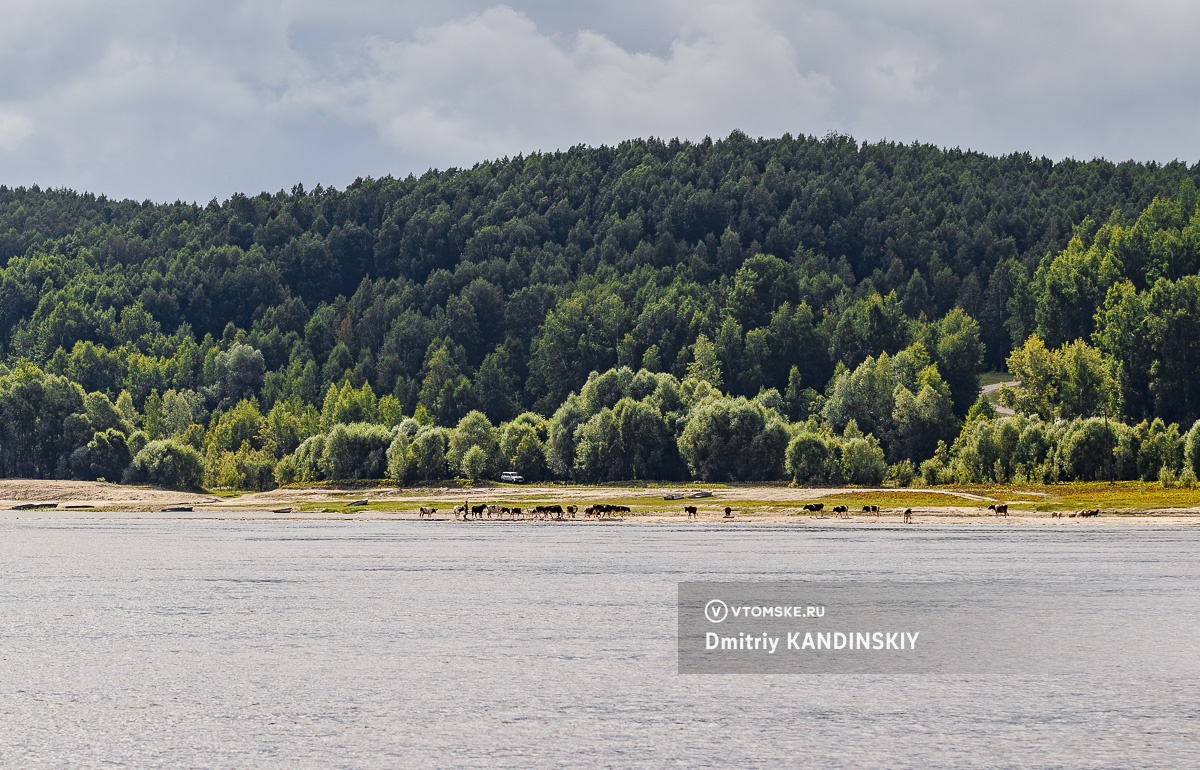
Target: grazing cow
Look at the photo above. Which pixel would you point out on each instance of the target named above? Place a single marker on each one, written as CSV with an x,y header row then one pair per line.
x,y
842,511
460,510
1000,509
1056,514
1089,512
571,509
728,512
691,511
871,509
606,510
908,515
426,513
814,507
494,510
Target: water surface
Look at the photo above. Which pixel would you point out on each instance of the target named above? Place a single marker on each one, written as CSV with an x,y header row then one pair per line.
x,y
135,643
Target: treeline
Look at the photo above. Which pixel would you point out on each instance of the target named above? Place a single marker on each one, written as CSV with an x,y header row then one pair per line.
x,y
850,288
622,425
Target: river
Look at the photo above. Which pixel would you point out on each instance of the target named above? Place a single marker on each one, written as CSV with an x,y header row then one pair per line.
x,y
374,644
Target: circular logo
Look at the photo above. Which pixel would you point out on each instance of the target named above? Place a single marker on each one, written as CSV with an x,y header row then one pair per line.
x,y
716,611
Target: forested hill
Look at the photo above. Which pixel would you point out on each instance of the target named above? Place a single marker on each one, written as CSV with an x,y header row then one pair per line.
x,y
501,287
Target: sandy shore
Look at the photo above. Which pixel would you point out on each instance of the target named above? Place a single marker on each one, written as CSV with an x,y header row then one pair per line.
x,y
755,504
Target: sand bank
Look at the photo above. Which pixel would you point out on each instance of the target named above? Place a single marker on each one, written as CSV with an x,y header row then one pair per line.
x,y
771,504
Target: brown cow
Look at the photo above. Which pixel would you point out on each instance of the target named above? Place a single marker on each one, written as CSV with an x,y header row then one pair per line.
x,y
728,512
691,511
1001,509
426,513
908,515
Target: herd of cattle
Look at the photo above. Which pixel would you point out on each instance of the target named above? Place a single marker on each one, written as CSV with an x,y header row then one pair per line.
x,y
843,511
605,511
467,512
1084,514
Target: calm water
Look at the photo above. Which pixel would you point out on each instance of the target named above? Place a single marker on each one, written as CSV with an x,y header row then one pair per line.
x,y
386,644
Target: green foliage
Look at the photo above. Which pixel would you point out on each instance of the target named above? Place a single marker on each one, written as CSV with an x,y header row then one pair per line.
x,y
36,428
356,451
167,463
1191,450
427,454
445,392
1076,380
704,365
237,373
862,462
523,446
474,431
348,404
811,460
630,440
106,456
398,465
684,276
475,463
728,438
289,423
902,400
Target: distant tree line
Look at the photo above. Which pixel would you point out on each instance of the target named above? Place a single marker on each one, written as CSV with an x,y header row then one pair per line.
x,y
817,310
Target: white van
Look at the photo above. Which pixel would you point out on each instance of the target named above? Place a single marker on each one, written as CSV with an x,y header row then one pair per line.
x,y
512,477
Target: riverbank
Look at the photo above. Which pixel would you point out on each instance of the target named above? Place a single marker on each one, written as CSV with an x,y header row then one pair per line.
x,y
1125,503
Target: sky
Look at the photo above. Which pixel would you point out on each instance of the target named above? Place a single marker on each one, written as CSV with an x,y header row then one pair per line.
x,y
169,100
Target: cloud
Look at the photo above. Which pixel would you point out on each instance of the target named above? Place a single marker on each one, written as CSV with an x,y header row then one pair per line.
x,y
15,128
493,84
147,99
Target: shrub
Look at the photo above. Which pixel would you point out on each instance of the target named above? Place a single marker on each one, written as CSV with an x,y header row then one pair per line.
x,y
105,456
808,459
862,461
356,451
167,463
902,473
397,458
474,430
475,463
427,454
733,438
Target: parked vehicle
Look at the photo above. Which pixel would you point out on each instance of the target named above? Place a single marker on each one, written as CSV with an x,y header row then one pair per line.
x,y
512,477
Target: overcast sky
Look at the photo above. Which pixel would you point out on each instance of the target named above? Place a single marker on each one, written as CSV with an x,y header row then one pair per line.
x,y
170,100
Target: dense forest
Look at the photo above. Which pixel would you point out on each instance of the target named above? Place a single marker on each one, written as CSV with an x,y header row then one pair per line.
x,y
818,310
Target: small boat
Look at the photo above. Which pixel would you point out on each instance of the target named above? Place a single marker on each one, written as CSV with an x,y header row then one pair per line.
x,y
356,503
77,506
177,509
700,494
31,506
282,510
673,496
